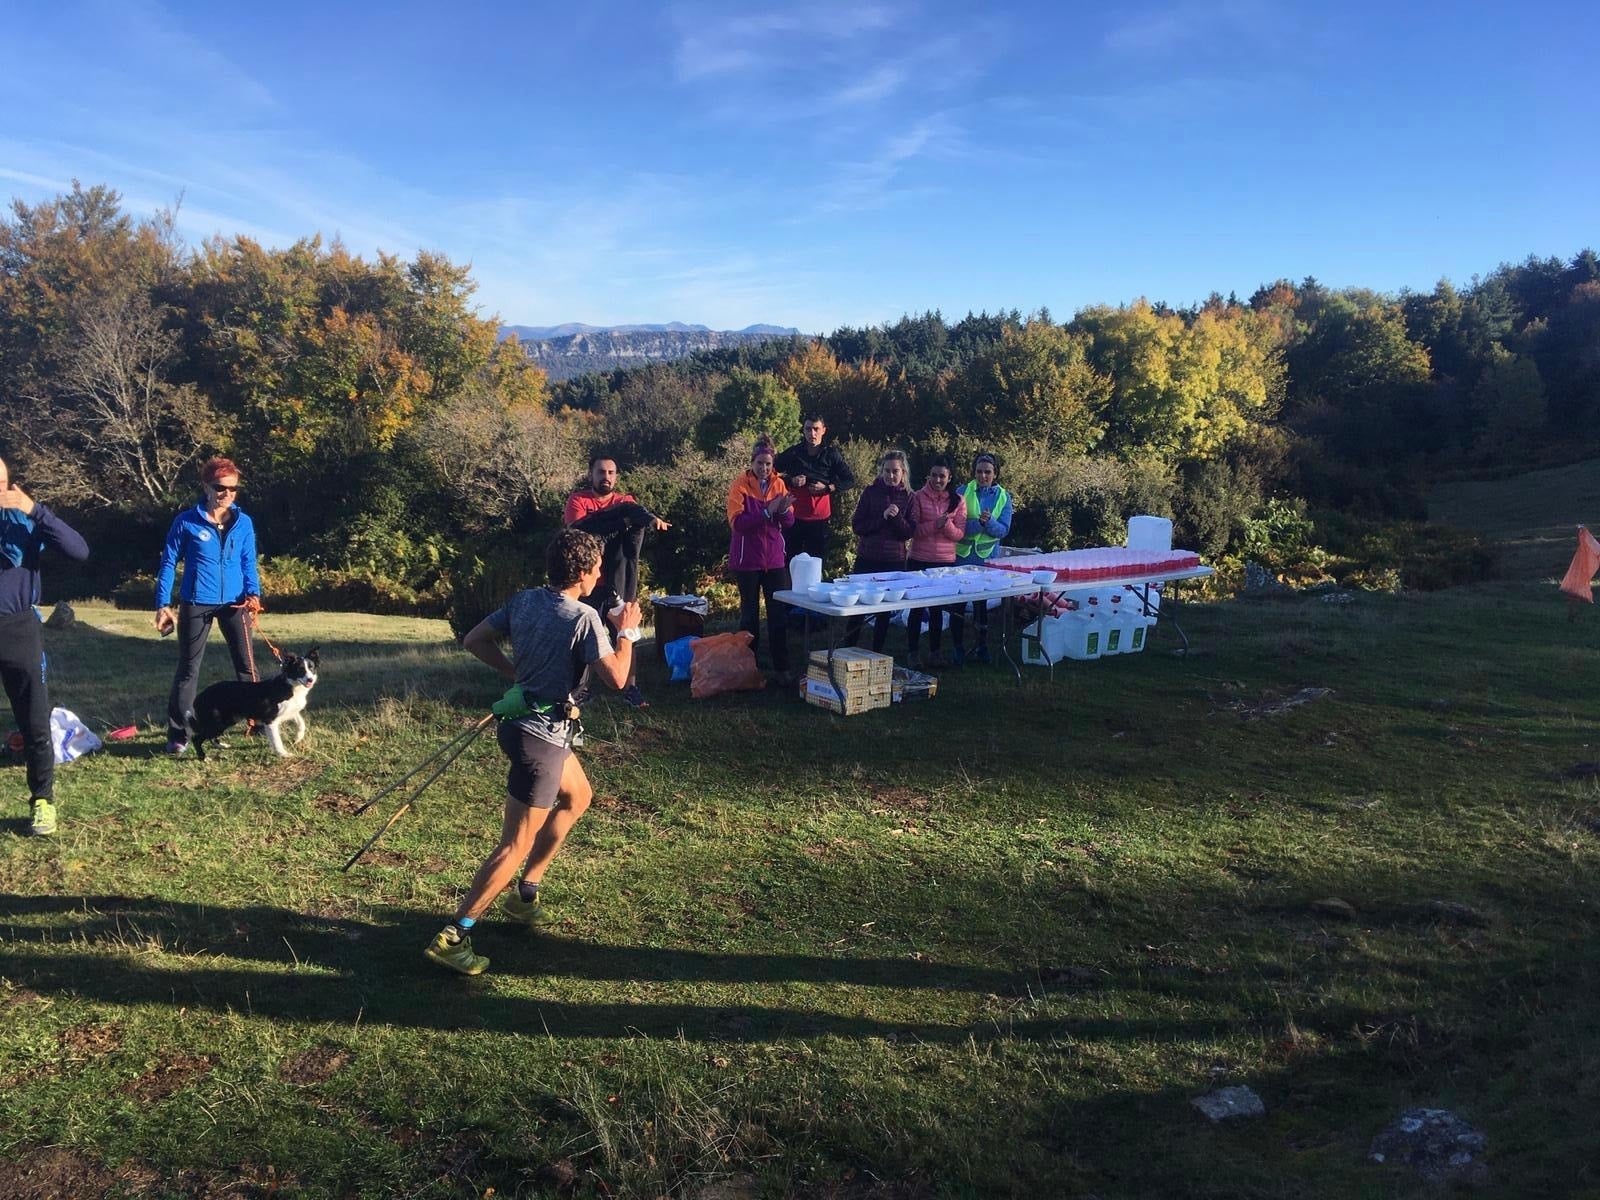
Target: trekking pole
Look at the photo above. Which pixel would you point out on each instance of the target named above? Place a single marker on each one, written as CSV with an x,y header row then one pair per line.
x,y
461,745
467,734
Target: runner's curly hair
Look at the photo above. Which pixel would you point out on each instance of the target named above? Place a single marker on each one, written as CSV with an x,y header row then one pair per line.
x,y
569,554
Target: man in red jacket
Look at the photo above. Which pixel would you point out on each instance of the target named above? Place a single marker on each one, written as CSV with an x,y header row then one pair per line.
x,y
620,521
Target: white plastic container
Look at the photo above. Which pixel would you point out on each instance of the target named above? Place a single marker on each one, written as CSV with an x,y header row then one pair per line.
x,y
1149,533
1071,635
804,571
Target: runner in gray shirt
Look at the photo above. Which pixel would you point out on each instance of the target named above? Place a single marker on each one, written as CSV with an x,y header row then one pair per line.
x,y
555,641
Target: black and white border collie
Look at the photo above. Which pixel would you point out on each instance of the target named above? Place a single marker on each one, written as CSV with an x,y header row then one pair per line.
x,y
269,703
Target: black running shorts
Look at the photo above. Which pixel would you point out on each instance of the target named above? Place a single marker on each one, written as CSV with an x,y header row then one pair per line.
x,y
535,775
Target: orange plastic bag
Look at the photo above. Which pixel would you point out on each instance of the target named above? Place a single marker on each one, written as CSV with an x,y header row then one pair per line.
x,y
724,662
1584,564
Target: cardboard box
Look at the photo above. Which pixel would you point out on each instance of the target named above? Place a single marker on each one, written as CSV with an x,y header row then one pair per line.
x,y
913,685
850,663
850,704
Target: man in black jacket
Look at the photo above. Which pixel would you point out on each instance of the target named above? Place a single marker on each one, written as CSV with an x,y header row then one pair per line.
x,y
26,528
814,472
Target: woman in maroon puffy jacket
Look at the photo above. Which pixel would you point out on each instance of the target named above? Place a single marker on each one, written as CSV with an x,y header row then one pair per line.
x,y
882,523
760,508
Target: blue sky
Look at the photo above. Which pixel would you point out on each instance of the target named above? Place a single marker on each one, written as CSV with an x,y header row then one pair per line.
x,y
833,163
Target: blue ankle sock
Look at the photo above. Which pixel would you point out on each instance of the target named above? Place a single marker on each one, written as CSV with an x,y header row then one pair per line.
x,y
465,923
529,892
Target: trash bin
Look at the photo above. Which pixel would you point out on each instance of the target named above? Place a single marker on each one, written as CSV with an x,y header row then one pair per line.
x,y
676,617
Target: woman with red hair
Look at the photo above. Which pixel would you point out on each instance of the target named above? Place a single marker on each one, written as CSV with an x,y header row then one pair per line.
x,y
216,543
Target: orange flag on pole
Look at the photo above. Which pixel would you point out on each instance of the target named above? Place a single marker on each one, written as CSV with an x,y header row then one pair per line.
x,y
1584,564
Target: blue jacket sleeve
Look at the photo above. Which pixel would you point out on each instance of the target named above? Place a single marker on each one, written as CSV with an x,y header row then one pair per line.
x,y
247,562
59,534
168,570
999,525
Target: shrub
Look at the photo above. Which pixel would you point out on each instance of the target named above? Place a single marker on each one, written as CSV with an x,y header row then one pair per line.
x,y
1411,554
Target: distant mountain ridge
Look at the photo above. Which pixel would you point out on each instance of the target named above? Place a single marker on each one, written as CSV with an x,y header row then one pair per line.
x,y
576,349
544,333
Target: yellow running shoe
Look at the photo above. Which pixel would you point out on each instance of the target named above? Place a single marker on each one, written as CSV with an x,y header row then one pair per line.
x,y
44,818
532,913
450,949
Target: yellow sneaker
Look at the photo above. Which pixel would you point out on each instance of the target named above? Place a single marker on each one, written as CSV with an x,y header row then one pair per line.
x,y
532,913
44,818
450,949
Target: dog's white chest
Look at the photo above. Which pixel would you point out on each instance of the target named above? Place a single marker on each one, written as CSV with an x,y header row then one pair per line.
x,y
294,705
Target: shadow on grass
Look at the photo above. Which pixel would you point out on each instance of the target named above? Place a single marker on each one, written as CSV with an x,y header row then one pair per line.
x,y
339,969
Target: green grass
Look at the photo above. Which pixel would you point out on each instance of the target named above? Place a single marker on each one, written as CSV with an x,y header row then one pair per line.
x,y
990,945
1534,515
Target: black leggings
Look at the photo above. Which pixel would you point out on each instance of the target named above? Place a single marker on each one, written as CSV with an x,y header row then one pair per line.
x,y
880,621
752,584
194,627
22,670
980,618
930,614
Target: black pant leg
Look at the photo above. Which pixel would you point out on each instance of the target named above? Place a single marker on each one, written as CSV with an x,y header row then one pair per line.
x,y
23,671
194,627
750,606
777,580
237,634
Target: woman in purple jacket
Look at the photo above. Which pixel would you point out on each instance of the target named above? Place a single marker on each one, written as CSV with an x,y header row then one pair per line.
x,y
760,508
882,523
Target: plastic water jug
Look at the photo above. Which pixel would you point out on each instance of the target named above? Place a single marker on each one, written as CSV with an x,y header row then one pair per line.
x,y
804,570
1149,533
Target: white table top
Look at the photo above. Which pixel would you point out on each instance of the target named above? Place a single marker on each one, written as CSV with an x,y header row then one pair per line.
x,y
1023,587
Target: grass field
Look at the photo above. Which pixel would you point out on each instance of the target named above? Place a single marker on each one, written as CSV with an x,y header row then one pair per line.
x,y
990,945
1533,516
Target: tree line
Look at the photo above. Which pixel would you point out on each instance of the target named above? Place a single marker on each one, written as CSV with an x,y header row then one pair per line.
x,y
396,450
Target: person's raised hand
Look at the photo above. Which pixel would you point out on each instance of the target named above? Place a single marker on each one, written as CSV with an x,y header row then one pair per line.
x,y
12,496
626,616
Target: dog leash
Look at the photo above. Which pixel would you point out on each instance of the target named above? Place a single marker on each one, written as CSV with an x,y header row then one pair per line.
x,y
252,628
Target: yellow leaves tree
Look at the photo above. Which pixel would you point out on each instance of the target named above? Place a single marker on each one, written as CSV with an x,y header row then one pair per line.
x,y
1183,389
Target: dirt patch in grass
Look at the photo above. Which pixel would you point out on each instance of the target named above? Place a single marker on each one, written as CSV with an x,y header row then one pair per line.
x,y
18,997
90,1041
172,1074
53,1173
630,807
384,858
899,799
316,1065
247,1182
342,803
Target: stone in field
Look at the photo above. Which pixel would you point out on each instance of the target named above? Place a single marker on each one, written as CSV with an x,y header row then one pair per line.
x,y
1437,1144
1224,1104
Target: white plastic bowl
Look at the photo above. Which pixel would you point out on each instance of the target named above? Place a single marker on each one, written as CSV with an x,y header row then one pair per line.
x,y
819,591
844,599
893,593
1043,576
872,595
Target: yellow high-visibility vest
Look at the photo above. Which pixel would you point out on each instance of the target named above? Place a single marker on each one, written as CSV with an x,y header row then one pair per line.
x,y
978,545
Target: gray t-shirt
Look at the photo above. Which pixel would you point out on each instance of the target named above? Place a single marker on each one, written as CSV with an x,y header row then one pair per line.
x,y
553,641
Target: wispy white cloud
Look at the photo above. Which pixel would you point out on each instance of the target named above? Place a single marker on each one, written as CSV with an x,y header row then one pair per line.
x,y
871,183
146,30
1183,25
711,46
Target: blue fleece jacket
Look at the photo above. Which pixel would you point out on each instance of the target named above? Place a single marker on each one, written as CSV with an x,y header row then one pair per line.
x,y
23,540
219,565
997,526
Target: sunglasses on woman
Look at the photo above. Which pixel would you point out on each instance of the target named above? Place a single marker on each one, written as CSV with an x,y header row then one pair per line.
x,y
221,489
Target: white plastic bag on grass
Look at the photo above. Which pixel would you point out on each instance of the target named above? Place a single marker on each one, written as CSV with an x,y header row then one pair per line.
x,y
70,737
